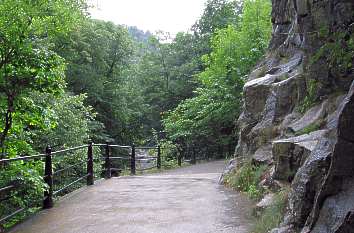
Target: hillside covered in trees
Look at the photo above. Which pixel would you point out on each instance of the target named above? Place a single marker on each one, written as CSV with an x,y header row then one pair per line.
x,y
67,78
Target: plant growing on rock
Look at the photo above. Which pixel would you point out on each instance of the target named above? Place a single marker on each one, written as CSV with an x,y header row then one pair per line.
x,y
246,179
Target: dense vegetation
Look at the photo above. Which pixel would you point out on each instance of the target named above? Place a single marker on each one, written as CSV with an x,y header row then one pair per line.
x,y
206,121
66,78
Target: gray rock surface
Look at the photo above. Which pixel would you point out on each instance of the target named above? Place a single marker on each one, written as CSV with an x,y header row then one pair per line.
x,y
231,166
319,165
291,153
337,212
266,201
312,116
255,93
263,155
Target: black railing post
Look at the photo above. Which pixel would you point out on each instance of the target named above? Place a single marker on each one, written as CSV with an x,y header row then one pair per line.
x,y
107,162
179,160
158,157
90,178
132,161
48,179
194,158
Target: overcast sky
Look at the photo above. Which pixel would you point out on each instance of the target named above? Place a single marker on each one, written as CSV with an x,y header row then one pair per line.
x,y
168,15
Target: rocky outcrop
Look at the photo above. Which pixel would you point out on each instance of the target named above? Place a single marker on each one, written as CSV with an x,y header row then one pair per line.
x,y
310,118
263,155
299,115
232,165
291,153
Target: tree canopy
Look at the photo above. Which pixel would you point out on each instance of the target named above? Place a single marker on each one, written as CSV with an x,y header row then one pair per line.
x,y
208,118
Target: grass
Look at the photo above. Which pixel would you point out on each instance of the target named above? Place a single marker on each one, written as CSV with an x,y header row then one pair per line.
x,y
272,216
246,179
311,128
310,98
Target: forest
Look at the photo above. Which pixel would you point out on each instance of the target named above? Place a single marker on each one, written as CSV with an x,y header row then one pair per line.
x,y
66,79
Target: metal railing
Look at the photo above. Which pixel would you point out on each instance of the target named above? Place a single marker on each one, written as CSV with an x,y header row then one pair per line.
x,y
82,170
108,158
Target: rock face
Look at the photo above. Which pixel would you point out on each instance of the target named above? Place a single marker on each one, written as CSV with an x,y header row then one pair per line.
x,y
291,153
298,115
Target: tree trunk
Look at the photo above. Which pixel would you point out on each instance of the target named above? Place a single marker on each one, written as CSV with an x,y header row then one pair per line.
x,y
8,122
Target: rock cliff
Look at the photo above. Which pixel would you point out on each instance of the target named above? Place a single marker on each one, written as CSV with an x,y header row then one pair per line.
x,y
298,113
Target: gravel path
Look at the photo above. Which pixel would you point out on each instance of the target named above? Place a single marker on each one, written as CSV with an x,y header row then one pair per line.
x,y
185,200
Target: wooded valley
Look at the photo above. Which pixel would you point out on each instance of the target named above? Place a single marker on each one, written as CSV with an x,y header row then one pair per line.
x,y
66,79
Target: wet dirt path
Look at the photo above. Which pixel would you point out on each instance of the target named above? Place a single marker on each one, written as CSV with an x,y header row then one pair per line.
x,y
185,200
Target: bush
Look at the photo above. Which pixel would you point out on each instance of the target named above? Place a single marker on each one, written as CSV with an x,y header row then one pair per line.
x,y
27,178
169,155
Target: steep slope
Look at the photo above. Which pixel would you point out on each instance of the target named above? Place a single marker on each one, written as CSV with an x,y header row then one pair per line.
x,y
299,113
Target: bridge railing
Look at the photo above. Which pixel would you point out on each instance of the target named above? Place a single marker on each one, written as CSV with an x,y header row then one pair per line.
x,y
64,171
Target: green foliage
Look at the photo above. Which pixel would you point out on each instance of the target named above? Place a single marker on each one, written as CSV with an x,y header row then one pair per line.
x,y
272,216
310,98
31,83
218,14
311,128
169,153
68,120
209,116
337,51
27,62
246,179
27,177
164,75
98,54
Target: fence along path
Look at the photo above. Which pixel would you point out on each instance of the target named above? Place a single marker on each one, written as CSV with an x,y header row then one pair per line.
x,y
185,200
82,171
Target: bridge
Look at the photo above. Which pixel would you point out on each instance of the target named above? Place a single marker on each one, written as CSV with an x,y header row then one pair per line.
x,y
183,200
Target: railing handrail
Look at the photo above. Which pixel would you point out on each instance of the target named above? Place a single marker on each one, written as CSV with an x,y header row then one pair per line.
x,y
73,149
49,172
69,149
146,147
22,158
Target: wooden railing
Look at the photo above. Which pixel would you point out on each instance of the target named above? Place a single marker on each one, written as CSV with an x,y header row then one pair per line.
x,y
82,171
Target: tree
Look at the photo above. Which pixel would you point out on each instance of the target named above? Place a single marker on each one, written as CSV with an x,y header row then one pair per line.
x,y
208,118
29,70
100,59
165,75
218,14
27,62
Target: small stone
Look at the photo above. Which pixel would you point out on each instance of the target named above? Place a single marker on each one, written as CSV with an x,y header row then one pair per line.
x,y
266,201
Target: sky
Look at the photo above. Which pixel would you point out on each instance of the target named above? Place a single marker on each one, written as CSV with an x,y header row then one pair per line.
x,y
167,15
